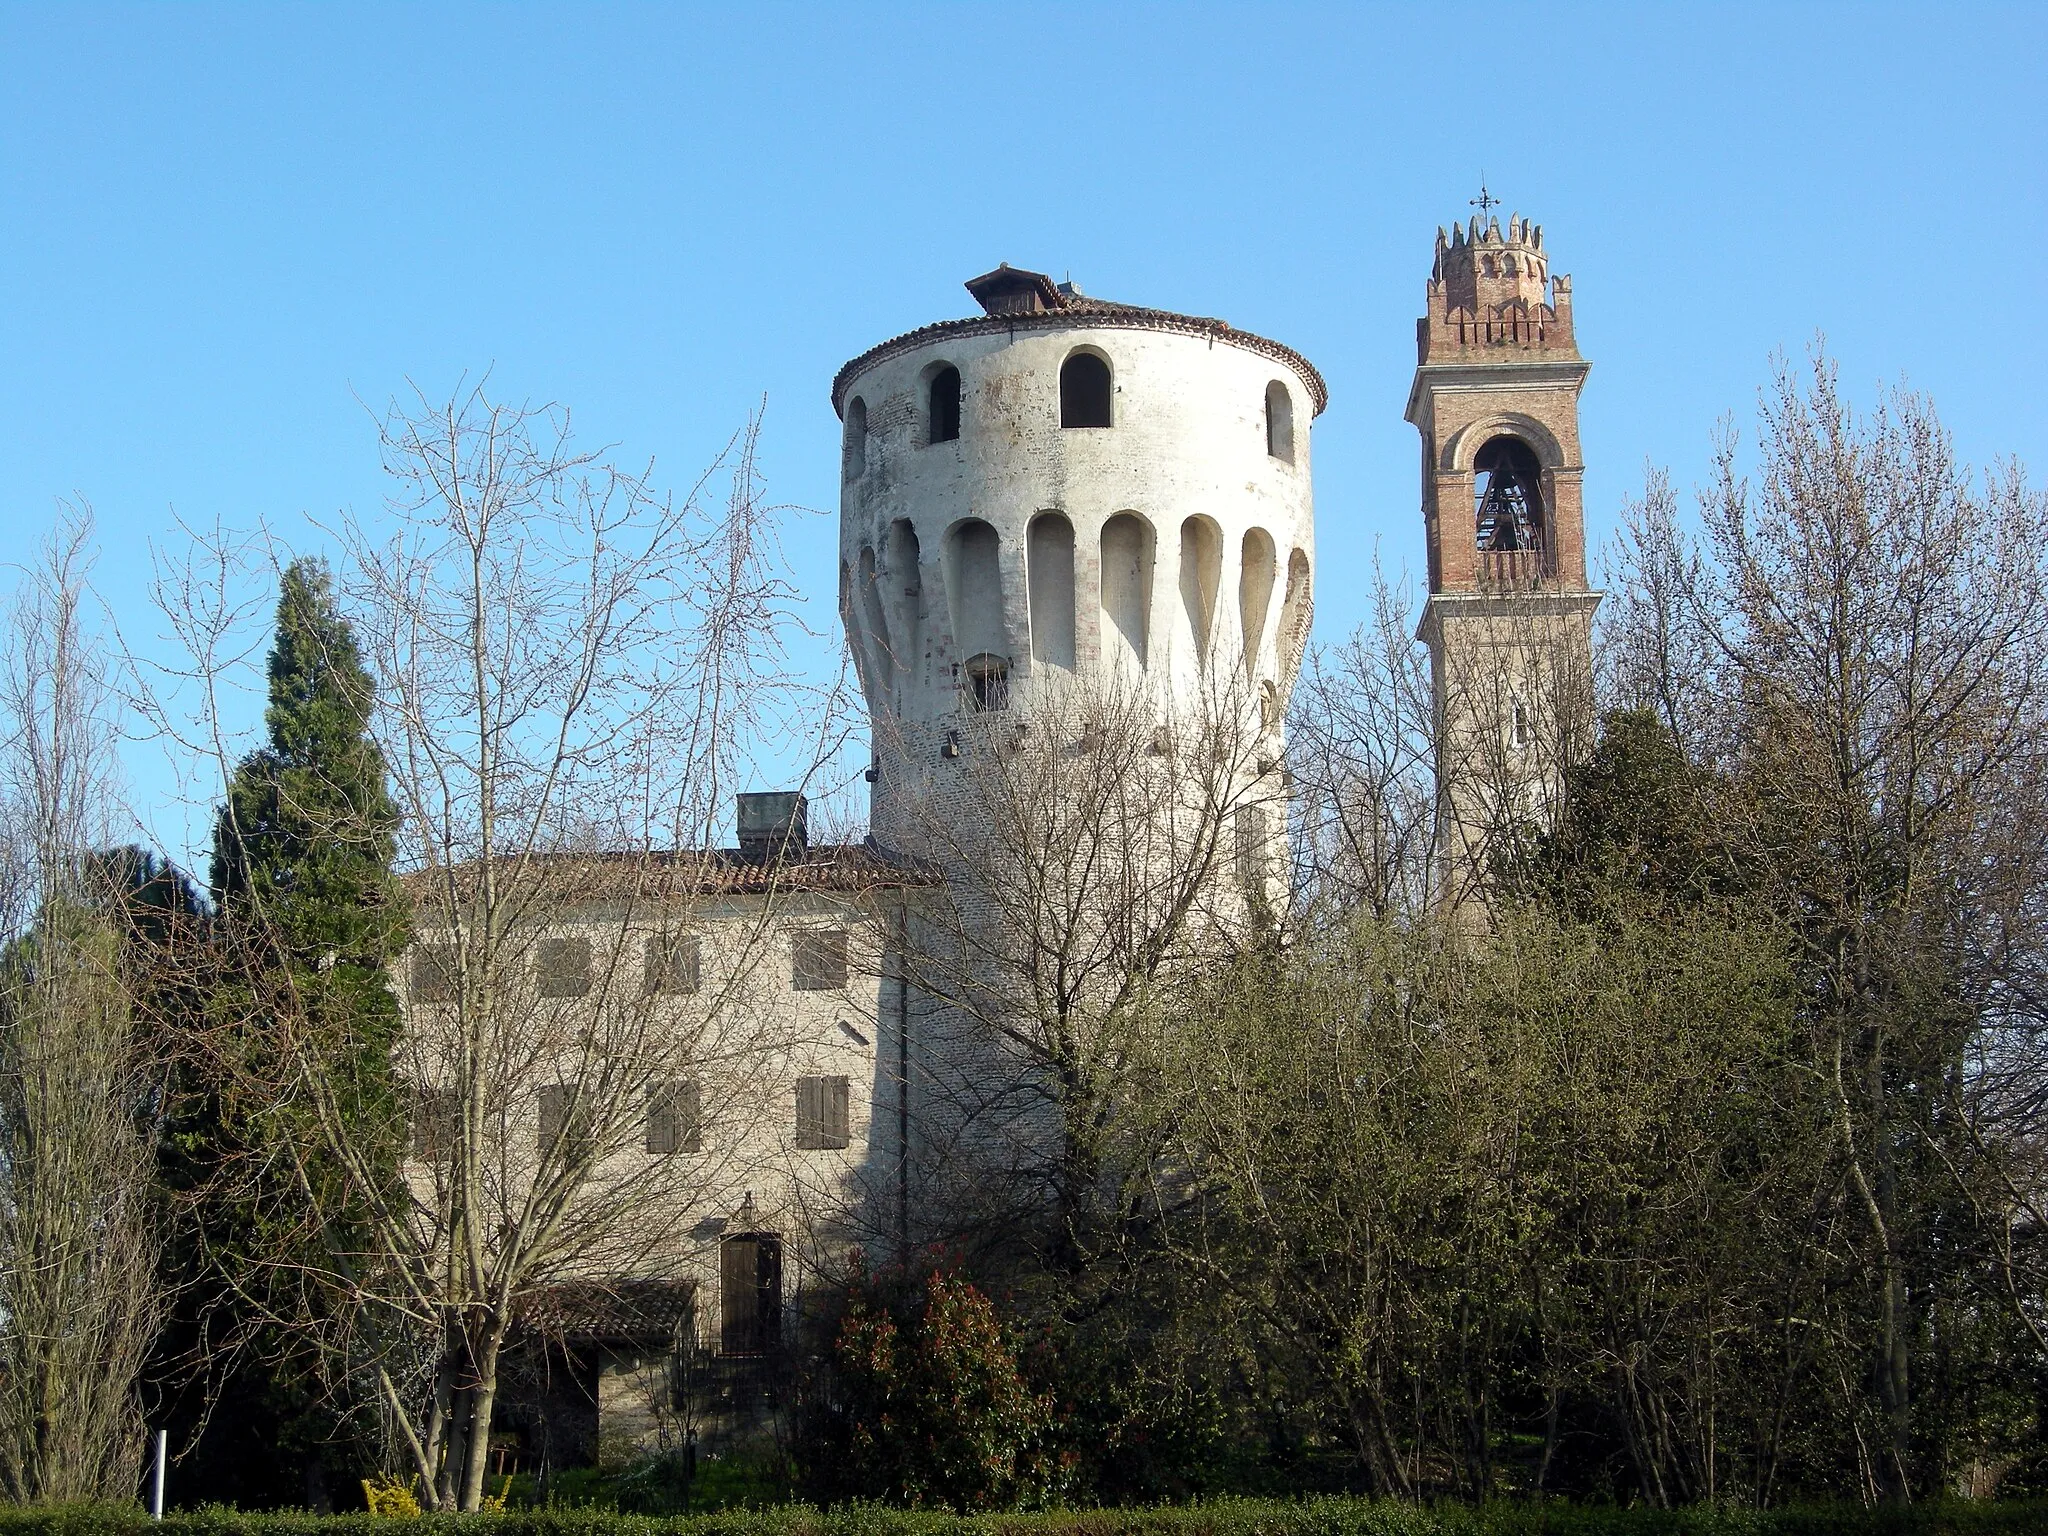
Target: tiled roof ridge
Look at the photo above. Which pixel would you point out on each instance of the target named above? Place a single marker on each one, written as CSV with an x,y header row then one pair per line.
x,y
1084,309
727,871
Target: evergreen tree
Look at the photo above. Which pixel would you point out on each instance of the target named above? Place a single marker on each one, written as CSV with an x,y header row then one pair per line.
x,y
302,850
308,918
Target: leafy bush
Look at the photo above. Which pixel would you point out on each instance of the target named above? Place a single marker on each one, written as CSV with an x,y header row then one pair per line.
x,y
925,1404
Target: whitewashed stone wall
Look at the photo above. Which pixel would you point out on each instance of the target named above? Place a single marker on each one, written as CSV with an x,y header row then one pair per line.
x,y
1164,507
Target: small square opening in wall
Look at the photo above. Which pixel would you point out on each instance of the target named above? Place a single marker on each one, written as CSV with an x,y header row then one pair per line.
x,y
818,959
561,967
823,1113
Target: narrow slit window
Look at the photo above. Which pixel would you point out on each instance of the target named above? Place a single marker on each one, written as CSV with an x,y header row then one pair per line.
x,y
1279,422
854,453
945,405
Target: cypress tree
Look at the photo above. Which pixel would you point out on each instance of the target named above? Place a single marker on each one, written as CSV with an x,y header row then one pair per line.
x,y
307,909
302,850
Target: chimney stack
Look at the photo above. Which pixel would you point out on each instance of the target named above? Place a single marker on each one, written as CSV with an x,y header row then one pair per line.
x,y
773,825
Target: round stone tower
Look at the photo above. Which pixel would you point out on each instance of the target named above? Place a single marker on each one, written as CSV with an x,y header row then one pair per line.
x,y
1062,491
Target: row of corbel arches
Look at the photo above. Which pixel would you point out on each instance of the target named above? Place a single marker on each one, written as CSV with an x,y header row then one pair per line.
x,y
891,606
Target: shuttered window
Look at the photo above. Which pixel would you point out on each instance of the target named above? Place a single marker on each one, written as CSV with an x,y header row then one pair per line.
x,y
561,967
555,1100
674,963
436,1123
818,959
433,974
749,1293
674,1118
822,1121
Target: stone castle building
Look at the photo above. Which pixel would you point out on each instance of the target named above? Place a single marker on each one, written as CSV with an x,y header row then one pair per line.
x,y
1056,499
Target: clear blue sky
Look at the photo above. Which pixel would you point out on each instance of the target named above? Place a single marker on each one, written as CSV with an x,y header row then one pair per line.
x,y
223,225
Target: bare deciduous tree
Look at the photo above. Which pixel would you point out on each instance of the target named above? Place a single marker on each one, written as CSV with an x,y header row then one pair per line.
x,y
1096,843
1858,644
569,669
80,1298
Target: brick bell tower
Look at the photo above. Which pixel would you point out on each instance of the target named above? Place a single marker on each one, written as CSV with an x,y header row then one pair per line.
x,y
1509,618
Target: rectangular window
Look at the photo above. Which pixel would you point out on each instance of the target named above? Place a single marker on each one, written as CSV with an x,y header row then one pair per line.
x,y
675,1121
436,1123
555,1101
749,1293
674,963
822,1119
433,974
818,959
561,967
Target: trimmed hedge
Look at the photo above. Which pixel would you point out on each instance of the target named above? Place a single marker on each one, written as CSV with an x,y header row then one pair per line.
x,y
1230,1517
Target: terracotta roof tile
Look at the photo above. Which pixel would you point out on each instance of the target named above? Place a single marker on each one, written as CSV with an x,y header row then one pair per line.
x,y
609,1310
1078,308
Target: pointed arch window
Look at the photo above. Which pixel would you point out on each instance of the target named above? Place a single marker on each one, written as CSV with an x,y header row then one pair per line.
x,y
1508,496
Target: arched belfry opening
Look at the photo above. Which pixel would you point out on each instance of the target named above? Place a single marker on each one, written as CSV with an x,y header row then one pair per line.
x,y
1507,486
1086,391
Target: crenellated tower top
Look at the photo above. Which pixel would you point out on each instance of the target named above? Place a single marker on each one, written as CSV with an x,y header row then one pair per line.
x,y
1509,617
1492,289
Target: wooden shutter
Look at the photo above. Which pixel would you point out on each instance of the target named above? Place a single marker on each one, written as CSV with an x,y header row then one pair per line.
x,y
823,1113
435,1122
674,1122
818,959
433,974
674,963
561,967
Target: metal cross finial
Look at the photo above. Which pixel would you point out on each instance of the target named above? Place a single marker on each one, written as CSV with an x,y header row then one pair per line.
x,y
1485,202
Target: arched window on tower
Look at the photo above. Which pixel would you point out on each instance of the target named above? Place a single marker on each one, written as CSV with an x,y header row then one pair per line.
x,y
855,454
1279,422
1085,392
944,403
1508,496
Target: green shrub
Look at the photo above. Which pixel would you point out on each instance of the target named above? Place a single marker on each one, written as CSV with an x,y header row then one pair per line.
x,y
1232,1517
